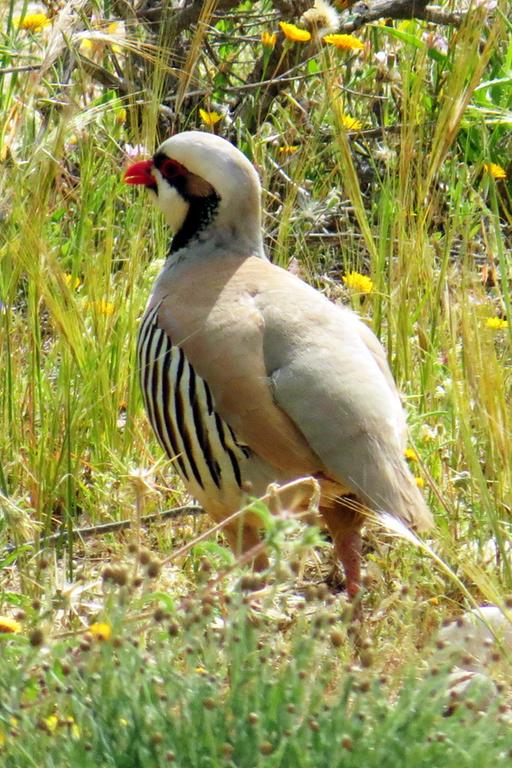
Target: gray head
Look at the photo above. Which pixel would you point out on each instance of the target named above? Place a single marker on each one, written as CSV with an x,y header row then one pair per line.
x,y
205,187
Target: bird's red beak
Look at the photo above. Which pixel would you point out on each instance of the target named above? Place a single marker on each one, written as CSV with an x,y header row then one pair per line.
x,y
140,173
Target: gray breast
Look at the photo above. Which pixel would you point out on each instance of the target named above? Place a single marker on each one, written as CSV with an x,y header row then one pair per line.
x,y
181,410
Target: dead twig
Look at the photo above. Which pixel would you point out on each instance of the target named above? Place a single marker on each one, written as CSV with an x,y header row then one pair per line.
x,y
93,530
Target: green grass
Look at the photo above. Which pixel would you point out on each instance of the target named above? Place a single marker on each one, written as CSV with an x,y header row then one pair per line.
x,y
408,200
212,684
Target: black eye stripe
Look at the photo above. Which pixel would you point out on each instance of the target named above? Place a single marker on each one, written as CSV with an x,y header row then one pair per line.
x,y
170,169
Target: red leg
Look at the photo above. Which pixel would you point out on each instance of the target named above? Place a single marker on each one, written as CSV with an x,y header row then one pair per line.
x,y
344,525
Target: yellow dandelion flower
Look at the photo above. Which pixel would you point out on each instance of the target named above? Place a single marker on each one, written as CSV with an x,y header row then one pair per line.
x,y
121,116
288,149
351,123
268,39
123,722
103,307
33,22
496,323
51,722
210,118
201,671
87,46
410,454
294,33
495,170
72,281
358,283
420,482
344,42
101,630
73,728
116,29
434,601
8,625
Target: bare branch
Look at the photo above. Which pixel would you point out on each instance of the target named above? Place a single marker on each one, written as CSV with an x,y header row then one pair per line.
x,y
93,530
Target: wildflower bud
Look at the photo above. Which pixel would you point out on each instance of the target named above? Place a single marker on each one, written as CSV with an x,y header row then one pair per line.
x,y
266,748
120,576
159,615
291,708
36,637
314,725
170,757
250,582
108,574
336,638
294,566
253,718
156,738
227,750
322,591
347,743
133,548
36,605
209,703
144,556
137,581
153,569
310,594
366,659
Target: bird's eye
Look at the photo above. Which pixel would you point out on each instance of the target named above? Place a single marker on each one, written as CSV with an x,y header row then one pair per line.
x,y
171,170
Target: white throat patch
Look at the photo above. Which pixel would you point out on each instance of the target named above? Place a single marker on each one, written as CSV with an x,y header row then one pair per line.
x,y
170,202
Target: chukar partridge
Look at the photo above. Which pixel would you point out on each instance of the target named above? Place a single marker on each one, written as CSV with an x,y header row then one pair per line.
x,y
251,376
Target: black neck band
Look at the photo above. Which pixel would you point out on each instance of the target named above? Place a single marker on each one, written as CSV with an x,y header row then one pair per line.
x,y
200,214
